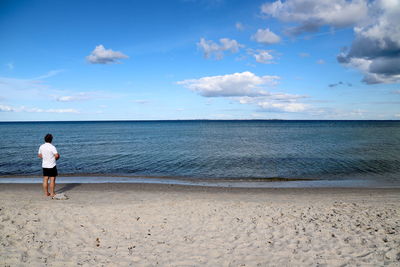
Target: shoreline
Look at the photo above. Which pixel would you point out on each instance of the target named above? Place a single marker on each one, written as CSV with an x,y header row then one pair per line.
x,y
309,192
251,182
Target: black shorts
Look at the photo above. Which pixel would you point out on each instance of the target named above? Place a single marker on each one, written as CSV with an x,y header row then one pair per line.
x,y
51,172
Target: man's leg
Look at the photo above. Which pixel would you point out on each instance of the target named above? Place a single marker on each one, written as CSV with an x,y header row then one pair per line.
x,y
52,186
45,186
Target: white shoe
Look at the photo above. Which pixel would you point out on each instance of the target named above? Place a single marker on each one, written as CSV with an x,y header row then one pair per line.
x,y
60,196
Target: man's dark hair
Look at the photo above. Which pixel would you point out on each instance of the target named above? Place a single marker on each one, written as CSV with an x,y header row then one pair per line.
x,y
48,138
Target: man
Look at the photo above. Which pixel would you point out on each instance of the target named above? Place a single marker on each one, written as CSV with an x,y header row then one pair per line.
x,y
48,153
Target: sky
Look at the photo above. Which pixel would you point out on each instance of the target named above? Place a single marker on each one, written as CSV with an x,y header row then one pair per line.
x,y
70,60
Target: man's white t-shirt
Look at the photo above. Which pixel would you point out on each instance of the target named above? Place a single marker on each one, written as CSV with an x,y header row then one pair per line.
x,y
48,152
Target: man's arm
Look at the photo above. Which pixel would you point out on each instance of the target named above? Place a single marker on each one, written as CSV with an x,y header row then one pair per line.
x,y
57,156
40,155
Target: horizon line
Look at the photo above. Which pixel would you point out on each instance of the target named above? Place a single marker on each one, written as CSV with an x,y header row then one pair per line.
x,y
166,120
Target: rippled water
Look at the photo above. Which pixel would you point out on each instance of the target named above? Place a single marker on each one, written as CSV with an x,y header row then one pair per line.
x,y
209,149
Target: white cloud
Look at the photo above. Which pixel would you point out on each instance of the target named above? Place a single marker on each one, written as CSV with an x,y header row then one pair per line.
x,y
237,84
375,51
28,90
68,110
266,36
21,88
228,44
239,26
48,74
286,97
6,108
66,98
320,61
100,55
304,54
279,107
262,56
268,97
75,97
276,102
34,84
211,48
312,14
246,88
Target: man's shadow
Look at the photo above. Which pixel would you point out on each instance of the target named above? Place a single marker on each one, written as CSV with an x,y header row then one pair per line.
x,y
67,187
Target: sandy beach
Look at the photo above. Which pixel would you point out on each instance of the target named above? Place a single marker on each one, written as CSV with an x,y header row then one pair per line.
x,y
169,225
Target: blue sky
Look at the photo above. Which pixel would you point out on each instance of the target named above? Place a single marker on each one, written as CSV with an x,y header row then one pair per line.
x,y
205,59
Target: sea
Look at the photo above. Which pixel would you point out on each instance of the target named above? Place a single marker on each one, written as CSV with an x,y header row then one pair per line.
x,y
233,153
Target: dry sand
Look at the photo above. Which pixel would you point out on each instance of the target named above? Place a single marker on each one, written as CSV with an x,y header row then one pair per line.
x,y
147,225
